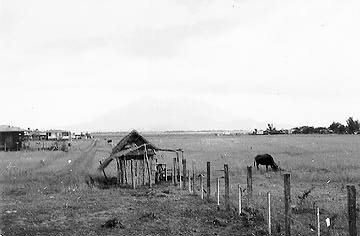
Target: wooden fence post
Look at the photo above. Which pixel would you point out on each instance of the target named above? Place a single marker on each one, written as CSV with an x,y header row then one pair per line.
x,y
269,212
328,231
184,173
174,171
193,176
218,191
189,181
166,174
351,192
201,187
287,204
249,185
227,189
318,221
208,179
178,174
240,199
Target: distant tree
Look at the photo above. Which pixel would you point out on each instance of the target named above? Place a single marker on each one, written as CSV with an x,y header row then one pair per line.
x,y
271,127
321,130
337,127
307,130
352,125
342,129
296,130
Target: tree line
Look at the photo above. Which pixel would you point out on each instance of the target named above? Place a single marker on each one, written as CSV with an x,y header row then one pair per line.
x,y
352,127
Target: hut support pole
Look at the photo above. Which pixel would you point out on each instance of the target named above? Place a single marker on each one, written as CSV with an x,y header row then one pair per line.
x,y
121,165
125,170
174,175
148,166
118,170
184,173
104,173
143,170
132,174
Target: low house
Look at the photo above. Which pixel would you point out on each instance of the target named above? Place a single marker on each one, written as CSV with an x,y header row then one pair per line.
x,y
11,138
36,135
58,135
135,160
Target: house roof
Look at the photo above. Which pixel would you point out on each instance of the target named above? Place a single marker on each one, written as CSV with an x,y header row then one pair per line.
x,y
56,130
8,128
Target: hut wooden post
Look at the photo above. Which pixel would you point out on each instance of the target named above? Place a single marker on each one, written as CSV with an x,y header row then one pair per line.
x,y
121,166
148,166
184,173
136,172
174,172
104,172
118,170
132,173
143,170
178,168
125,170
151,170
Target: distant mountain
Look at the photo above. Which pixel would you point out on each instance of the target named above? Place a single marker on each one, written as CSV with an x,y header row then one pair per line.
x,y
152,114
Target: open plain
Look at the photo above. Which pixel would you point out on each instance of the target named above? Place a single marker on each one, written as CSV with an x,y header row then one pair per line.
x,y
48,192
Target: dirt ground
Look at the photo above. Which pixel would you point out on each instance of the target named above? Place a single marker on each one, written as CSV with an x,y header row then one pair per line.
x,y
55,196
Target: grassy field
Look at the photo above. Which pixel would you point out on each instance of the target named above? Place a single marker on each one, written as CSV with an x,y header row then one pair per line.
x,y
323,163
46,193
50,193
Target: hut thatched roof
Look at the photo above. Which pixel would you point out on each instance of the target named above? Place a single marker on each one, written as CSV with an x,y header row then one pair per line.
x,y
134,145
133,139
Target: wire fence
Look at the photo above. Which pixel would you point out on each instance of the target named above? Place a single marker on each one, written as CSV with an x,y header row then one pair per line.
x,y
248,195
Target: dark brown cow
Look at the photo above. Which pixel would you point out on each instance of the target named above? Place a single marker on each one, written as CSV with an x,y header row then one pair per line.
x,y
266,160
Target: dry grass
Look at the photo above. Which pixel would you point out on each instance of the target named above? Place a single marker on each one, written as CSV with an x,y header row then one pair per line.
x,y
326,162
42,193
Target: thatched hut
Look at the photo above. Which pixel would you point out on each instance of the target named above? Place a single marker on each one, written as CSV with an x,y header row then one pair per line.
x,y
135,162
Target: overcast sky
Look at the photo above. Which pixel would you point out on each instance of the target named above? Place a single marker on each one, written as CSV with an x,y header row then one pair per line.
x,y
68,62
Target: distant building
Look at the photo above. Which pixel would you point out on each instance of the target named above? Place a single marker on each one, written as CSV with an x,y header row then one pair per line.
x,y
11,138
36,135
58,135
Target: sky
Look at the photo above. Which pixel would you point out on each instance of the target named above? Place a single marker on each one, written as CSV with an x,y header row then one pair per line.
x,y
64,63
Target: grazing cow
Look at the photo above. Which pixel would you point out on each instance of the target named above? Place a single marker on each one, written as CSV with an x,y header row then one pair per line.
x,y
267,160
